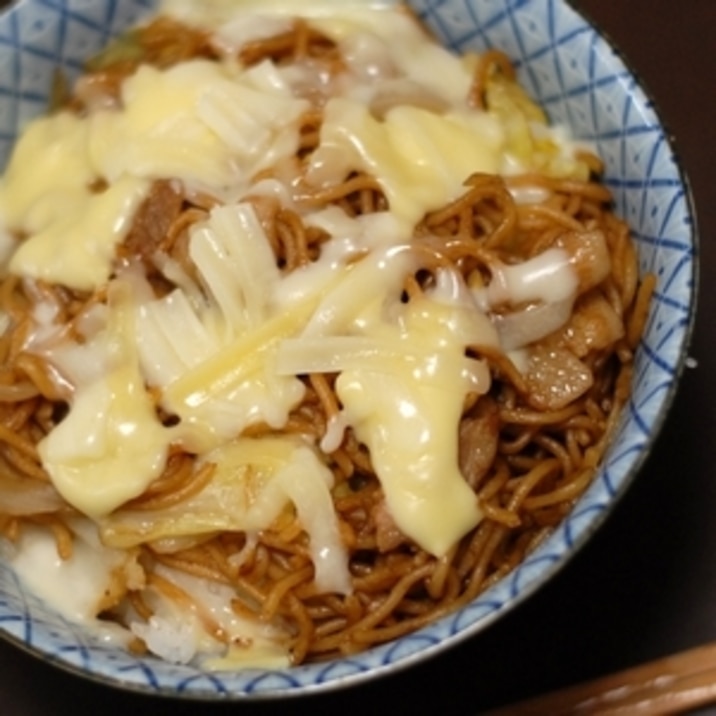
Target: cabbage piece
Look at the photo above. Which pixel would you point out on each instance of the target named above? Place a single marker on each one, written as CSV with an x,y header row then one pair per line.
x,y
213,357
236,262
255,481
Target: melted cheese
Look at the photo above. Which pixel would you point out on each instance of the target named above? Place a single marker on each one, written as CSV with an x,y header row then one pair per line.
x,y
205,123
407,413
199,121
57,150
224,349
110,446
214,125
420,158
403,379
74,586
76,245
72,231
351,24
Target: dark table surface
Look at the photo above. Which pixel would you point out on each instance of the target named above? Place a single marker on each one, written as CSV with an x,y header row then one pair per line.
x,y
645,585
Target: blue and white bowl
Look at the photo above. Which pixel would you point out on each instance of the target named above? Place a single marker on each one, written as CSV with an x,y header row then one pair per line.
x,y
582,82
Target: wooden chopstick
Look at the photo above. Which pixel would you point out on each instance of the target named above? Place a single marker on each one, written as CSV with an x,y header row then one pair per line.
x,y
670,685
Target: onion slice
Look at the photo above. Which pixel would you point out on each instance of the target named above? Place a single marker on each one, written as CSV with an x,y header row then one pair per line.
x,y
19,497
520,328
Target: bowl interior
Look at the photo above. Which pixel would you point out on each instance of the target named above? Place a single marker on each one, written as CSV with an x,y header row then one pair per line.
x,y
582,83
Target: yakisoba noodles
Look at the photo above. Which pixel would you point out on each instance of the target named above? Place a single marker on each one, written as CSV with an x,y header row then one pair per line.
x,y
312,331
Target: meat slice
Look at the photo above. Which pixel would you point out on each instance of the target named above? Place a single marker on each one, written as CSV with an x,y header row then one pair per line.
x,y
387,535
589,256
479,436
152,221
555,377
594,325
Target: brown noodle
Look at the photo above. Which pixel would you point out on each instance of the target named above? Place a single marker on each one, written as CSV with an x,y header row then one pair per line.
x,y
543,458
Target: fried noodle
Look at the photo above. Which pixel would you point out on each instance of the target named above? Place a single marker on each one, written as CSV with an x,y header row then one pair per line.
x,y
527,459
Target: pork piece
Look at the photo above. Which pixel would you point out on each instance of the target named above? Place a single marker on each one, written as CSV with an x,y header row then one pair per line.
x,y
152,221
589,256
478,439
555,377
387,535
593,326
94,92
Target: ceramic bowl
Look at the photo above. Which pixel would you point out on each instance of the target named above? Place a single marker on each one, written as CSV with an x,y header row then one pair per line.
x,y
582,82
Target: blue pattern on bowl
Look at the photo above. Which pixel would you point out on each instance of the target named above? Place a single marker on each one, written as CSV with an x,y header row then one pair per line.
x,y
582,83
